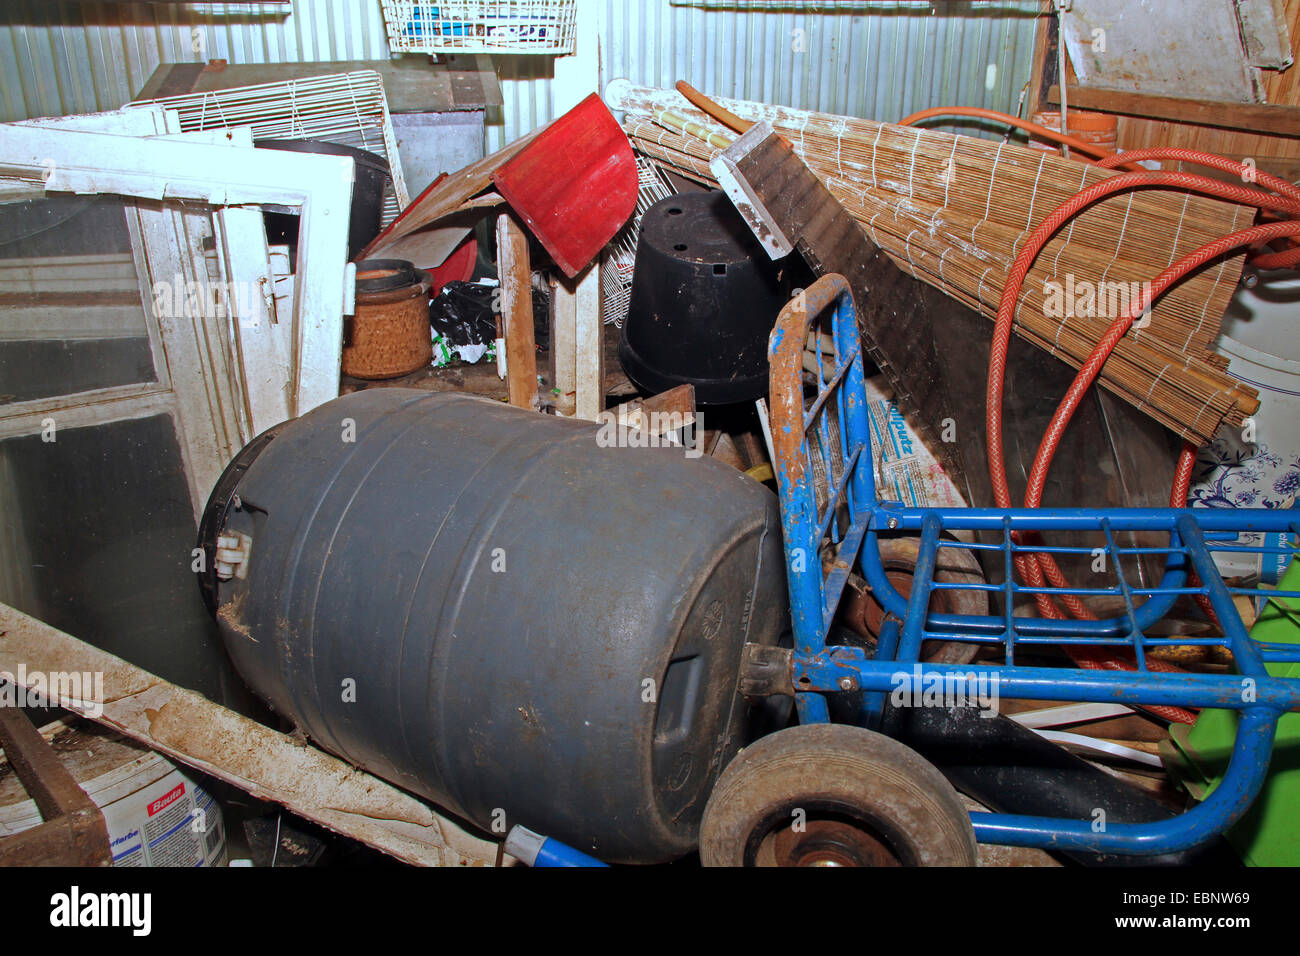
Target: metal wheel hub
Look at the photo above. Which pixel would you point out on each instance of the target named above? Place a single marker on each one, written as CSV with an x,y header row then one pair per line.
x,y
830,843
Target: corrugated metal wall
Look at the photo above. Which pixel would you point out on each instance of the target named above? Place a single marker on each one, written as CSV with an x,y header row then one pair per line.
x,y
78,57
877,60
867,58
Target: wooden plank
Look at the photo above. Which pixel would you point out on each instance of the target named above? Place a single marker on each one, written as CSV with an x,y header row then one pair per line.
x,y
269,765
1279,155
724,450
1257,118
263,344
517,312
49,784
177,79
66,841
564,348
656,415
590,399
74,832
1042,68
578,345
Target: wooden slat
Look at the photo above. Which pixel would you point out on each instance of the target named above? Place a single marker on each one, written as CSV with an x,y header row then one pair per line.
x,y
657,414
443,198
576,345
517,312
589,366
1276,119
73,832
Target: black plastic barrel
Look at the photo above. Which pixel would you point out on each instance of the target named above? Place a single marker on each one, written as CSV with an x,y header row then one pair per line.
x,y
370,177
704,299
533,624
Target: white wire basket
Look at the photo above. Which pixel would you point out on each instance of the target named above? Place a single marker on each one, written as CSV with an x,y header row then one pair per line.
x,y
620,254
489,26
350,109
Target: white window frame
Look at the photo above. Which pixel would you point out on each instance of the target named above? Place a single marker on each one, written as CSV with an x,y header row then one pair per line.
x,y
222,378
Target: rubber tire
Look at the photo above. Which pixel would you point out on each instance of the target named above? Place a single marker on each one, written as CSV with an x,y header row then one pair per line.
x,y
954,566
890,784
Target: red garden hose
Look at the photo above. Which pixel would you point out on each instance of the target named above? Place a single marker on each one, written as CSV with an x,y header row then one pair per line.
x,y
1029,565
1091,368
1208,160
1287,259
1020,269
1035,566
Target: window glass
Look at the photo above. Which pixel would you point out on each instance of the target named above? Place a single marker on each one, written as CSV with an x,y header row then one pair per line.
x,y
72,314
96,532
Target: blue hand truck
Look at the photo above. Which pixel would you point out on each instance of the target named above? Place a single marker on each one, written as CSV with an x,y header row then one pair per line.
x,y
843,793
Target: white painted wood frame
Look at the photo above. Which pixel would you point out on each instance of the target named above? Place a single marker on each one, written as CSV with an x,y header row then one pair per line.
x,y
218,400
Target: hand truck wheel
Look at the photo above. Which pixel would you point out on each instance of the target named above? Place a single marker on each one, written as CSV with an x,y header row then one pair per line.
x,y
834,795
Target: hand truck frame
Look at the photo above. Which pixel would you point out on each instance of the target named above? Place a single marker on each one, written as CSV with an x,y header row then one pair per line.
x,y
833,519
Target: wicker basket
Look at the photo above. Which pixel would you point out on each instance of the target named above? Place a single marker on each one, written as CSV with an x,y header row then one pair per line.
x,y
490,26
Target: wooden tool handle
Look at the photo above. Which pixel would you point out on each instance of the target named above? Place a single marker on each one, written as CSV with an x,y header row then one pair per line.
x,y
725,117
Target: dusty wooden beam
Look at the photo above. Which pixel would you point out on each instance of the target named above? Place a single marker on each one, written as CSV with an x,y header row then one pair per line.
x,y
564,348
443,202
1043,66
1250,117
590,361
725,451
269,765
577,345
517,312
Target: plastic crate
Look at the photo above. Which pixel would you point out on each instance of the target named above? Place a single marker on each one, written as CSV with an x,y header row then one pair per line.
x,y
504,26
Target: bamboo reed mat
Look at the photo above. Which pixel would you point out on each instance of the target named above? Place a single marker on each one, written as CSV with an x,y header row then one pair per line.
x,y
953,211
